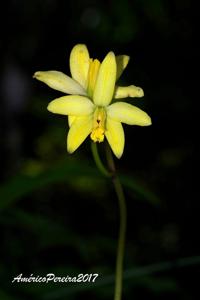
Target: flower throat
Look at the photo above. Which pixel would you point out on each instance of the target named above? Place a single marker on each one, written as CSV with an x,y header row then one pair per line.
x,y
97,134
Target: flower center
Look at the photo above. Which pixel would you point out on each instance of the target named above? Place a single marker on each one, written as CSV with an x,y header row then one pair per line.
x,y
97,134
92,76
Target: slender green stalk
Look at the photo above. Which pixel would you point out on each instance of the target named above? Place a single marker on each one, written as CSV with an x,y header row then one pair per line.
x,y
122,226
98,161
122,213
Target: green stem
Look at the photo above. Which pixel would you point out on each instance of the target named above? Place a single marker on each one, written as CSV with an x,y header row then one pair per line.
x,y
122,212
121,239
122,226
98,161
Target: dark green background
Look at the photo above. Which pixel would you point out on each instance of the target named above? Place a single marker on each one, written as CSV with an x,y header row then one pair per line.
x,y
57,213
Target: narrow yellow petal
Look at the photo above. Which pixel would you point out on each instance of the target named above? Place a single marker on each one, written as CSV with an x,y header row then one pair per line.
x,y
79,64
115,136
128,91
60,82
71,119
92,76
71,105
122,62
129,114
78,132
105,83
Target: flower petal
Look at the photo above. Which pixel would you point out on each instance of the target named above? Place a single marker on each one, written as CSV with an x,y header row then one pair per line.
x,y
79,64
92,76
115,136
60,82
122,62
71,119
78,132
105,84
129,114
71,105
128,91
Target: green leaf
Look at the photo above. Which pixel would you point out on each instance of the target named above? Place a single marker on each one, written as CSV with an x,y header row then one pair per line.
x,y
140,189
23,185
69,170
143,272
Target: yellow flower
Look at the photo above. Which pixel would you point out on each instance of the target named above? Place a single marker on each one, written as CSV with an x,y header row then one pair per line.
x,y
89,109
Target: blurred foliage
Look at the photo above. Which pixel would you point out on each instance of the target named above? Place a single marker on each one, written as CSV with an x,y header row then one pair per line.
x,y
85,178
57,213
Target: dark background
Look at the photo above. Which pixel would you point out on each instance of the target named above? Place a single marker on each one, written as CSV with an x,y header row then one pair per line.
x,y
57,213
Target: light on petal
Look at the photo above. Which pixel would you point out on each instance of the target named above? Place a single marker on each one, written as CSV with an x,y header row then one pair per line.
x,y
115,136
105,83
128,91
78,132
129,114
79,64
71,105
122,62
60,82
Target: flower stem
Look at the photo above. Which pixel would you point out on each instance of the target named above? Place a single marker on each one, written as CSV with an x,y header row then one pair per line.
x,y
122,213
122,226
98,161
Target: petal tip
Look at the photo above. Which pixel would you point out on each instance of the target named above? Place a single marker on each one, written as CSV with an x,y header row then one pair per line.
x,y
147,121
118,155
70,150
111,54
36,74
140,92
136,91
150,122
81,45
50,107
117,152
126,59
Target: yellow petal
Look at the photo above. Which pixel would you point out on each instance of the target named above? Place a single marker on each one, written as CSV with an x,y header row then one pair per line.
x,y
79,64
129,114
71,105
60,82
128,91
92,76
71,119
78,132
105,83
122,62
115,136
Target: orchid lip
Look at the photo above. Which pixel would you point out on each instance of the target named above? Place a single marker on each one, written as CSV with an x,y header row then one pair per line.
x,y
99,120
